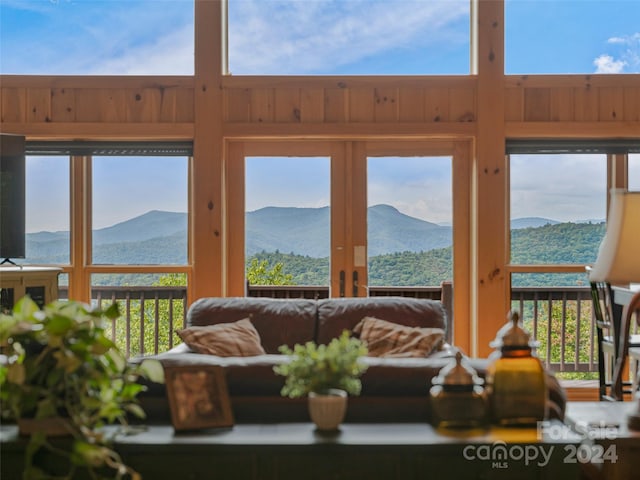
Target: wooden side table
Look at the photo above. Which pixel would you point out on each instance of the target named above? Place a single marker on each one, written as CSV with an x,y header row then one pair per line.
x,y
40,283
604,424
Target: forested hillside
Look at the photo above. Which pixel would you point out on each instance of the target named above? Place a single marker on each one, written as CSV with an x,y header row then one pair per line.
x,y
553,243
403,250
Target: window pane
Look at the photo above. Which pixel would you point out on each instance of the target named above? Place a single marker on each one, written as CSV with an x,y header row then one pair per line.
x,y
287,220
349,37
558,208
579,37
140,210
409,221
120,37
47,210
634,172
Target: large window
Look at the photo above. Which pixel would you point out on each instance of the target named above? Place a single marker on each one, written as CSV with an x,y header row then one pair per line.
x,y
579,37
287,220
558,211
139,210
409,221
349,37
115,37
47,210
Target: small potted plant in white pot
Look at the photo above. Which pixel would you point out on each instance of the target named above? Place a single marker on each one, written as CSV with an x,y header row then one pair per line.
x,y
60,369
326,374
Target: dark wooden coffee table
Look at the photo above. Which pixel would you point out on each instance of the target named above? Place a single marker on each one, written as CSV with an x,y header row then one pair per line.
x,y
357,451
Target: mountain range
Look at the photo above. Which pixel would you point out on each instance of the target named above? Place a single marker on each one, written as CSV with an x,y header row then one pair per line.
x,y
161,237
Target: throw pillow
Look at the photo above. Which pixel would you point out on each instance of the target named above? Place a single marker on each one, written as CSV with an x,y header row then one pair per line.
x,y
236,339
387,339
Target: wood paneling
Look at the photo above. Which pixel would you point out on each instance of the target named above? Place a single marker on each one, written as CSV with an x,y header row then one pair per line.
x,y
14,105
91,99
572,98
349,100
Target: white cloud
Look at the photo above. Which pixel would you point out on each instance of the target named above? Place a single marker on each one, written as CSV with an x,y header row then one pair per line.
x,y
549,186
607,64
626,58
169,54
95,37
315,36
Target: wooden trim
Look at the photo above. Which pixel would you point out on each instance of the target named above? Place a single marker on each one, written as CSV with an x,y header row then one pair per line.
x,y
96,81
279,147
138,269
461,168
340,259
592,130
356,207
101,131
436,147
352,131
347,81
80,206
545,268
235,219
569,80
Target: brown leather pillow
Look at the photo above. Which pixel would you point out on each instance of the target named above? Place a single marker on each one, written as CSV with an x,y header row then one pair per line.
x,y
387,339
236,339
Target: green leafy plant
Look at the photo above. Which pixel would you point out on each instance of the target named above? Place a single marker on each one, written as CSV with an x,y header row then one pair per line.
x,y
318,368
59,363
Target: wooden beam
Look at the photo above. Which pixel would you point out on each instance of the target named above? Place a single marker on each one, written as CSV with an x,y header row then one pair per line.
x,y
207,229
80,228
490,285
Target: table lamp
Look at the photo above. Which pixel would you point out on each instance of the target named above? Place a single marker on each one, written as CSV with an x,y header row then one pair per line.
x,y
618,259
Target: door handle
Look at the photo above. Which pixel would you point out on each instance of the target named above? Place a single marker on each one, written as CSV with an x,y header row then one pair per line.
x,y
355,283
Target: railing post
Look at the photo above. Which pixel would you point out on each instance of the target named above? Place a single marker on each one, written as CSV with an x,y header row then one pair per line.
x,y
446,298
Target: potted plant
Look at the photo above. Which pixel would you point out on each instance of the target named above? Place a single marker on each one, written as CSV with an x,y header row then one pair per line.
x,y
326,373
59,368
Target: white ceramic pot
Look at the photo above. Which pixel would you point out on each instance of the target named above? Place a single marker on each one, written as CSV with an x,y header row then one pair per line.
x,y
327,409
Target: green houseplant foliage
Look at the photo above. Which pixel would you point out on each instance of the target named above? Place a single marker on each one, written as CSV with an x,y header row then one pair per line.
x,y
58,362
318,368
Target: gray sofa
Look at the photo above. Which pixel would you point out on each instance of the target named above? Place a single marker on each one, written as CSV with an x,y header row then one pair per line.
x,y
393,389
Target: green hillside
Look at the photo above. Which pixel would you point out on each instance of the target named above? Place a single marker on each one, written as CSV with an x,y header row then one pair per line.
x,y
558,243
404,251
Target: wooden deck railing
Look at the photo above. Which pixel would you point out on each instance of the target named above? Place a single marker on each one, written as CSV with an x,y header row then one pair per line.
x,y
560,318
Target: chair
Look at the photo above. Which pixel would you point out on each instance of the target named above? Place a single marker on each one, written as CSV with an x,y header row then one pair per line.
x,y
634,367
629,343
607,346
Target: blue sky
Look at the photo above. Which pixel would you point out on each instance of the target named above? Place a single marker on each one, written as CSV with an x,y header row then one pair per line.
x,y
129,37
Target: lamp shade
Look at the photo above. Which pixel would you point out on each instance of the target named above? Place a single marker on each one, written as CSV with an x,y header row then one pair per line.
x,y
619,254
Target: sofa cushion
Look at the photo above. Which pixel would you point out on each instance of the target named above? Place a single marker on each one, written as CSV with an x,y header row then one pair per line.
x,y
387,339
278,321
239,339
338,314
